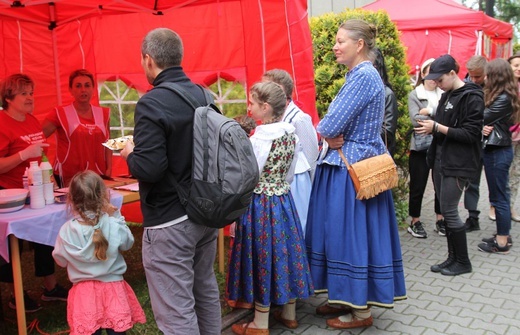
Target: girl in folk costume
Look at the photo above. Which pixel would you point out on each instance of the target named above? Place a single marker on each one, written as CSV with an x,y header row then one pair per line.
x,y
304,129
268,262
90,246
81,129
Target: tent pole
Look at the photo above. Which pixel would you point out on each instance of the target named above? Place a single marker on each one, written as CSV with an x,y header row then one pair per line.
x,y
56,69
52,26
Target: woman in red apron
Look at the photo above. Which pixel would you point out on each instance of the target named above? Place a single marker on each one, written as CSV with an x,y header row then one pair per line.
x,y
81,129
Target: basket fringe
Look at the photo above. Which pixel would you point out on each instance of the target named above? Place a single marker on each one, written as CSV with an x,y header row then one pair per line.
x,y
372,186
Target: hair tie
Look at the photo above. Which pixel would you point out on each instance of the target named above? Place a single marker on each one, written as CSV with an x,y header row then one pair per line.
x,y
90,215
96,226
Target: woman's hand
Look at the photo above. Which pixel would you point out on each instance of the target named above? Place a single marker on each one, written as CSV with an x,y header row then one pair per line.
x,y
336,142
425,127
487,130
33,151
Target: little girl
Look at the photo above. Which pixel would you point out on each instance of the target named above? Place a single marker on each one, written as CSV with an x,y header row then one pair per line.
x,y
268,261
89,247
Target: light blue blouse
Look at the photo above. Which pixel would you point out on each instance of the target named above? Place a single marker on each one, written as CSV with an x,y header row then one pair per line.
x,y
357,113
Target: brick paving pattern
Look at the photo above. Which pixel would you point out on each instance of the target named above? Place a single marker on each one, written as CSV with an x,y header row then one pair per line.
x,y
486,301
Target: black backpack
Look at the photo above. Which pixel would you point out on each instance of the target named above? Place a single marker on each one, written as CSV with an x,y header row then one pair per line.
x,y
224,168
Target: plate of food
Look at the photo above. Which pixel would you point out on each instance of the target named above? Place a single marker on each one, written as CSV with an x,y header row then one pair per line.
x,y
118,143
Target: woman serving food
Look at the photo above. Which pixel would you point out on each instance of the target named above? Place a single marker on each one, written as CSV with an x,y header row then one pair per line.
x,y
81,130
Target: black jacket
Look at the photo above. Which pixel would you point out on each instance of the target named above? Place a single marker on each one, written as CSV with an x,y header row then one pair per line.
x,y
499,115
390,120
462,110
163,136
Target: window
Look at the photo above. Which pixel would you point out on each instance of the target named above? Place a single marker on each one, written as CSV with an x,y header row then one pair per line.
x,y
121,98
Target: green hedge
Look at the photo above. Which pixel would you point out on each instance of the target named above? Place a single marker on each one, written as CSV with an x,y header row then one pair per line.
x,y
330,76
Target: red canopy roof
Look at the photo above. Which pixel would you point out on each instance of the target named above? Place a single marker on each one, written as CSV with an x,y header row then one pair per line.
x,y
234,39
434,27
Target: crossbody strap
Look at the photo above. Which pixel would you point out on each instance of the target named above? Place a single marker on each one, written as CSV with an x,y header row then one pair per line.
x,y
343,158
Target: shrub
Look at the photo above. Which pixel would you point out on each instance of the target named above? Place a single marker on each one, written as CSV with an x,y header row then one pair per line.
x,y
330,76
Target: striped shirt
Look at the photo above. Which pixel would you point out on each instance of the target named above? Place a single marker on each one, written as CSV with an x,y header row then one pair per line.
x,y
357,113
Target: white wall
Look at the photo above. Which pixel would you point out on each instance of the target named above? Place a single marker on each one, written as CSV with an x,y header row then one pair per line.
x,y
319,7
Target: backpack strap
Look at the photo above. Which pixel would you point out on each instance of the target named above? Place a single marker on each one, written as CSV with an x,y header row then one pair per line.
x,y
188,97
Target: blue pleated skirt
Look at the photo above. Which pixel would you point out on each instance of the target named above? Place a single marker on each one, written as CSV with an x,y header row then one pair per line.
x,y
268,262
353,245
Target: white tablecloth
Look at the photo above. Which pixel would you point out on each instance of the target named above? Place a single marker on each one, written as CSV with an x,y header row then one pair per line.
x,y
38,225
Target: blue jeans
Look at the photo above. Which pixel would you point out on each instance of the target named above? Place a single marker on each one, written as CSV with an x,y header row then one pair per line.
x,y
497,161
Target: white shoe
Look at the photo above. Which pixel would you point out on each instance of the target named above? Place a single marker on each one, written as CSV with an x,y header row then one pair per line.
x,y
492,215
515,216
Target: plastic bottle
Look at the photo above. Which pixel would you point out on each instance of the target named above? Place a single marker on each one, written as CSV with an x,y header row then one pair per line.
x,y
35,174
46,168
25,181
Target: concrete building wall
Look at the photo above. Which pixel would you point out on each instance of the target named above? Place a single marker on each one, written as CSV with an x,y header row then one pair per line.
x,y
319,7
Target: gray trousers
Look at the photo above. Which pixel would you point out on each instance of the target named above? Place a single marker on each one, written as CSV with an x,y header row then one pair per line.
x,y
178,262
449,190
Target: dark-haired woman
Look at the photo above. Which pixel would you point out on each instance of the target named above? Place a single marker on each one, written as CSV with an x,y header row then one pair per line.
x,y
391,112
502,109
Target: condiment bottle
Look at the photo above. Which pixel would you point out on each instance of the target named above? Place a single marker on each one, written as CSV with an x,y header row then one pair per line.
x,y
35,174
46,168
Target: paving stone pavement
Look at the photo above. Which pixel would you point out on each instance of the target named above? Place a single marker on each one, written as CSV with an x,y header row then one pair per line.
x,y
486,301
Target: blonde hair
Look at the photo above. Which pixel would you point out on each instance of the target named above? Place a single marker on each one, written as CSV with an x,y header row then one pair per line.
x,y
273,94
88,197
476,63
359,29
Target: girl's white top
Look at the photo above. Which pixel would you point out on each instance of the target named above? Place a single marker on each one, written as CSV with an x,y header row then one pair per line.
x,y
74,249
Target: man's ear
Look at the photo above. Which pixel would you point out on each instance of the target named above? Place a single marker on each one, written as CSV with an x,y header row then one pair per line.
x,y
147,61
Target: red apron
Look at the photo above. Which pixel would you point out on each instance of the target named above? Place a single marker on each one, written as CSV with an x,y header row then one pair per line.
x,y
82,148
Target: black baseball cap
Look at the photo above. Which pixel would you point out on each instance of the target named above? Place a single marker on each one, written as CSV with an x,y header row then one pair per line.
x,y
442,65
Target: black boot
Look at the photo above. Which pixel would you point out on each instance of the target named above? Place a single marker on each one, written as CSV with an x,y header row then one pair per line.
x,y
472,224
451,254
462,263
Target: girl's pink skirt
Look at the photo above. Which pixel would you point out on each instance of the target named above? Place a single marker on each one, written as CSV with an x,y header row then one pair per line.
x,y
95,304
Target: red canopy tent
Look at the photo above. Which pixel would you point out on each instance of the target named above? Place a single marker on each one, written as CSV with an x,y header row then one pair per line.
x,y
234,39
431,28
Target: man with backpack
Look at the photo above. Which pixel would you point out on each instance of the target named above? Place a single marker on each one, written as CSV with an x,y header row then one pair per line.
x,y
178,254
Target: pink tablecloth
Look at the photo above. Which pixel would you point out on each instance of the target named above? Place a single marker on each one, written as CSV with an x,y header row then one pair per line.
x,y
37,225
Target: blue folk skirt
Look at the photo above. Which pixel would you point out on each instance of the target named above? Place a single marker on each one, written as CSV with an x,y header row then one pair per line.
x,y
268,262
353,245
